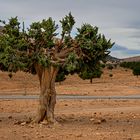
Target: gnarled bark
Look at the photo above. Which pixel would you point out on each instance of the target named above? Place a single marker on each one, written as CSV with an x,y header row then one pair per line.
x,y
47,99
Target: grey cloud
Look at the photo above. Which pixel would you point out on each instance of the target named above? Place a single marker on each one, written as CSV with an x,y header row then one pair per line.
x,y
105,14
125,52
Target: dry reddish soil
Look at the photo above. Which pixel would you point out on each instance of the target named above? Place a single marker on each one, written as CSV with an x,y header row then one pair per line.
x,y
122,83
77,119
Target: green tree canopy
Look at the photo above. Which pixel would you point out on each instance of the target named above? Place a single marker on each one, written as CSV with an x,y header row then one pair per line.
x,y
136,70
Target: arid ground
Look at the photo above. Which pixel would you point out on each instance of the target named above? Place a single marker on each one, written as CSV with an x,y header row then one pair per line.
x,y
77,119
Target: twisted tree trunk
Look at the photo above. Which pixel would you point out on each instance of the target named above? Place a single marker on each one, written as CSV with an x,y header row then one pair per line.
x,y
47,99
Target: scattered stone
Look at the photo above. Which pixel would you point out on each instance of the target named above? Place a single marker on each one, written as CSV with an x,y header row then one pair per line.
x,y
31,126
66,104
0,120
44,123
29,120
10,117
17,122
37,133
97,122
20,123
23,123
92,119
103,120
25,135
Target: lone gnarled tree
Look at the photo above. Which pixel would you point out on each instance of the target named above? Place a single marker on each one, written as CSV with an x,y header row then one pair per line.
x,y
40,50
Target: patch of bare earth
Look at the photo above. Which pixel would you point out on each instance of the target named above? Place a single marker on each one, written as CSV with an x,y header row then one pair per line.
x,y
77,119
122,83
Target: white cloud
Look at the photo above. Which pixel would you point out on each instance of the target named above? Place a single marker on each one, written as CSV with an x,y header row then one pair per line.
x,y
128,37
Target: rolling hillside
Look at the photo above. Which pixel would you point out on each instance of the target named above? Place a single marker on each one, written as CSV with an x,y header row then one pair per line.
x,y
131,59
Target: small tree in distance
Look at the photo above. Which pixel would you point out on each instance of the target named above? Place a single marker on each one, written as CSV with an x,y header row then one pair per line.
x,y
38,50
90,73
136,71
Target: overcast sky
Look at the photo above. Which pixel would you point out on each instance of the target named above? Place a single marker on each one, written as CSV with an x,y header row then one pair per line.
x,y
117,19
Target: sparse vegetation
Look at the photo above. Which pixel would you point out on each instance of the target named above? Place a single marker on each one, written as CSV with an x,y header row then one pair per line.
x,y
135,66
136,71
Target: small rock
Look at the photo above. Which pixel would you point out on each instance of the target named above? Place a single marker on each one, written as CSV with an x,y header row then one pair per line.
x,y
0,120
92,119
17,122
37,133
97,122
103,120
31,126
10,117
44,123
23,123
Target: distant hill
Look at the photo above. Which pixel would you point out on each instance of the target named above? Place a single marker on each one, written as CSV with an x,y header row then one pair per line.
x,y
131,59
112,59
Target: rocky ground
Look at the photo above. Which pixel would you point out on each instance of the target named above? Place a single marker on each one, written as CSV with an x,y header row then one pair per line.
x,y
76,119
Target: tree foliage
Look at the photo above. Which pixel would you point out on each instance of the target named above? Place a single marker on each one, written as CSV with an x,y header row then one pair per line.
x,y
130,65
135,66
20,49
136,70
13,47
